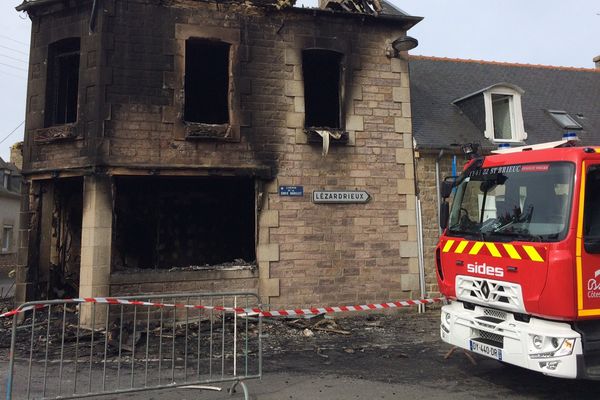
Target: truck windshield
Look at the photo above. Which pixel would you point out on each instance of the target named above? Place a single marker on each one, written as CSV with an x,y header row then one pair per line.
x,y
527,202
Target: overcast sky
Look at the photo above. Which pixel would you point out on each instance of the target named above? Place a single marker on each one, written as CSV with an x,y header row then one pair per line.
x,y
551,32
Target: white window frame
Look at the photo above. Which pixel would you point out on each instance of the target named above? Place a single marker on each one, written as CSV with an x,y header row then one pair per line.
x,y
7,239
516,115
5,179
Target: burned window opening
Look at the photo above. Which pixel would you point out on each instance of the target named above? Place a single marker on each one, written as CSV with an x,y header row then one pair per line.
x,y
62,82
183,223
322,88
63,280
206,81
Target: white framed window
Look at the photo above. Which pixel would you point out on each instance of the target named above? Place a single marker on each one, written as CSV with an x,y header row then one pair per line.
x,y
6,179
7,236
504,114
503,110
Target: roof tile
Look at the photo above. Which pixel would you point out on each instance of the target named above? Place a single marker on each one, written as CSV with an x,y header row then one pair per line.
x,y
436,82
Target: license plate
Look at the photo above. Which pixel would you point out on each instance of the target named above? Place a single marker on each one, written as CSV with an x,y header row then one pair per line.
x,y
486,350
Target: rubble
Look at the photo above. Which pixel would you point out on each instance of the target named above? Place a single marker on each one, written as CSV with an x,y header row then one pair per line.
x,y
308,333
372,7
126,336
395,336
236,265
394,333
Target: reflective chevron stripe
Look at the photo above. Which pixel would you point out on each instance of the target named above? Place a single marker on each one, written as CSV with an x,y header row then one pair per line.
x,y
512,252
461,247
448,246
533,254
476,248
497,250
493,249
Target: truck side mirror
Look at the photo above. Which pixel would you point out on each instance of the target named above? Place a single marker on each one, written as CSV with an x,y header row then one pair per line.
x,y
447,186
444,214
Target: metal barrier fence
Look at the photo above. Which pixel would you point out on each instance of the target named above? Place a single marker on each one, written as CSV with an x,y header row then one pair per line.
x,y
84,347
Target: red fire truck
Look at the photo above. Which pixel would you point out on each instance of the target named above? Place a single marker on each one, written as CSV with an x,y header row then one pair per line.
x,y
519,258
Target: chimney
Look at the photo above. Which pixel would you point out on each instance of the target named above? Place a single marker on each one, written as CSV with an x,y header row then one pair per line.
x,y
597,61
16,155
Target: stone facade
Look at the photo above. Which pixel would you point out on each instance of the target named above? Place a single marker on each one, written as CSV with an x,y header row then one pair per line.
x,y
130,125
426,183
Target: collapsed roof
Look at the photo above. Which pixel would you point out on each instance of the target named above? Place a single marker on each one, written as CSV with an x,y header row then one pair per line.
x,y
372,7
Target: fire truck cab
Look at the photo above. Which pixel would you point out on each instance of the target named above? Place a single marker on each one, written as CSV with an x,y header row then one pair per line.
x,y
519,259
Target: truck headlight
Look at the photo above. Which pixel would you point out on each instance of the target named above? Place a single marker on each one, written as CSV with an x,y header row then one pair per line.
x,y
445,325
563,347
447,318
538,341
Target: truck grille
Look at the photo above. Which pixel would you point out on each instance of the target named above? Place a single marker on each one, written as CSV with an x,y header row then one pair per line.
x,y
494,313
489,338
487,292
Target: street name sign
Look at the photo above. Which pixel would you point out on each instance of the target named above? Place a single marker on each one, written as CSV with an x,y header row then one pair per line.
x,y
340,196
294,191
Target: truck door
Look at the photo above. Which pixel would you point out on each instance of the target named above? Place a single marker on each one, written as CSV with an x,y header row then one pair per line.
x,y
588,241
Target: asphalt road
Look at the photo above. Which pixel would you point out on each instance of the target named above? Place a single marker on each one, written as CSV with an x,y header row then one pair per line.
x,y
394,357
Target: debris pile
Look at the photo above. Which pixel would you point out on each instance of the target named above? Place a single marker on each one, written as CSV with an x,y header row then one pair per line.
x,y
392,336
236,265
372,7
395,335
115,340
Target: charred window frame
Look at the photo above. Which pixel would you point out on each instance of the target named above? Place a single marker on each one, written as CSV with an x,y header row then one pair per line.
x,y
207,87
323,83
184,222
62,83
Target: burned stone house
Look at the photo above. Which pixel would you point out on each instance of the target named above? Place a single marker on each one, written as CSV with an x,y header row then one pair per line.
x,y
174,145
455,102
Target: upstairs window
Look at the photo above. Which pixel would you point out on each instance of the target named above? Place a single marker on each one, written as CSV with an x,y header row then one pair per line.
x,y
63,82
7,233
6,180
322,88
503,110
564,120
206,81
503,114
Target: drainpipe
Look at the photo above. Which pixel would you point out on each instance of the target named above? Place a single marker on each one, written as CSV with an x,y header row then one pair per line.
x,y
420,247
437,186
93,16
421,259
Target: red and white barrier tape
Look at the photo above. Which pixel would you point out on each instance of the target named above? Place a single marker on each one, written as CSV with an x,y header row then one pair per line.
x,y
239,310
364,307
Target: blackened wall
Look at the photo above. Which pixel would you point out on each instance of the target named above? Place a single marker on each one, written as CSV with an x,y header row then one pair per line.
x,y
130,123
